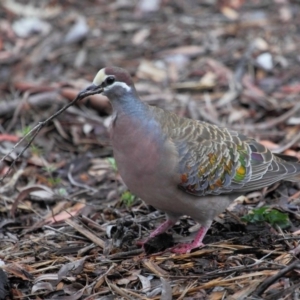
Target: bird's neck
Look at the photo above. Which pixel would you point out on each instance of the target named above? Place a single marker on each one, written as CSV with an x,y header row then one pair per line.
x,y
129,105
133,117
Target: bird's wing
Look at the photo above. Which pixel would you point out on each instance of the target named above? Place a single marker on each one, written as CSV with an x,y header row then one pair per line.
x,y
214,160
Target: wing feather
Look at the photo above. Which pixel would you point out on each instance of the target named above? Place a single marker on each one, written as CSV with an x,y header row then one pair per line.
x,y
215,160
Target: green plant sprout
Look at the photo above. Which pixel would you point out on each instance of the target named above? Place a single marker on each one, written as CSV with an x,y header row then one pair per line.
x,y
266,214
36,150
53,181
112,163
127,198
25,130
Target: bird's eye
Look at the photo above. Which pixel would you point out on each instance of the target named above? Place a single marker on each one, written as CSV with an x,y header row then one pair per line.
x,y
110,80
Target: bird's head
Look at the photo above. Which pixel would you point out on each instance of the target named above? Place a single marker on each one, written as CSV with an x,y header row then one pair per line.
x,y
112,82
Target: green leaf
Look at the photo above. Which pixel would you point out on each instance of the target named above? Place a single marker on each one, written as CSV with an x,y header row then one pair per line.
x,y
265,214
127,198
113,163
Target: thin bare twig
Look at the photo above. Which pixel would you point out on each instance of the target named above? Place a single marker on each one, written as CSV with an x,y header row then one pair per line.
x,y
269,124
288,145
78,184
275,277
36,129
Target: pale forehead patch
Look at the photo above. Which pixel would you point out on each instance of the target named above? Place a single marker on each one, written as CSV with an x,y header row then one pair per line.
x,y
100,77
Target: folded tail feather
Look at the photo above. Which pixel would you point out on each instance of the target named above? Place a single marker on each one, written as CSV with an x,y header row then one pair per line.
x,y
291,164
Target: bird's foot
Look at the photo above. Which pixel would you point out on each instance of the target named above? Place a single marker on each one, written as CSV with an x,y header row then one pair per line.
x,y
157,244
188,247
185,248
141,243
159,230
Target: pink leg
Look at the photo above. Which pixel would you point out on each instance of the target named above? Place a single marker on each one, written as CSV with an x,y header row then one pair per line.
x,y
162,228
197,242
159,230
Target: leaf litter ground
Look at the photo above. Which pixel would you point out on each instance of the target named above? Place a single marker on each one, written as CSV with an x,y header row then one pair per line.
x,y
66,229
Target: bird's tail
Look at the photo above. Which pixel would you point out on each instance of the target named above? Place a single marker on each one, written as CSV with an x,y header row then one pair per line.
x,y
292,166
295,178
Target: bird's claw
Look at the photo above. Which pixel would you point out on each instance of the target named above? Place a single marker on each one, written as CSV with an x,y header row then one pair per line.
x,y
141,243
185,248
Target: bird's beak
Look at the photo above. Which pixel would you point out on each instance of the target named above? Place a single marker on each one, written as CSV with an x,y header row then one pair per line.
x,y
91,90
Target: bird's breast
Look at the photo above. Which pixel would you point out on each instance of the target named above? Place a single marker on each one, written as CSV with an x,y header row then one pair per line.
x,y
136,147
142,155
